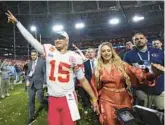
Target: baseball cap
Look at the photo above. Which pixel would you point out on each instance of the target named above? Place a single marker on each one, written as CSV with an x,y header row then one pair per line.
x,y
62,35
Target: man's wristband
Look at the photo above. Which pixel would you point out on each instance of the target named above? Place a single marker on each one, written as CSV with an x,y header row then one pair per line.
x,y
94,100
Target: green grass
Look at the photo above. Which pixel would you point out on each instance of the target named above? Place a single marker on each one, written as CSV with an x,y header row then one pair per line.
x,y
14,110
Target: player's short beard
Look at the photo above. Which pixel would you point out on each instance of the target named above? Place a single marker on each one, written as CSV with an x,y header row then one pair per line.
x,y
141,47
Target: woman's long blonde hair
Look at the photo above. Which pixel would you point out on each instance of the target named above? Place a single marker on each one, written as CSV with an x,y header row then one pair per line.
x,y
115,61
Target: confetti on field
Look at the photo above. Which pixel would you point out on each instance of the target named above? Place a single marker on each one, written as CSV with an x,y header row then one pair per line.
x,y
14,110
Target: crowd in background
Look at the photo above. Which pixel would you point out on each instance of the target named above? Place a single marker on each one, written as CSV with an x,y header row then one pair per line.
x,y
11,72
117,42
14,71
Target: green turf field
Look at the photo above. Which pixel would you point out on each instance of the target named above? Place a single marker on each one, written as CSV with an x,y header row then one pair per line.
x,y
14,110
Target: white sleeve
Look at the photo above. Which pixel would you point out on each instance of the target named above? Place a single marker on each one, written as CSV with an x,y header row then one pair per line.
x,y
79,73
78,70
46,48
37,45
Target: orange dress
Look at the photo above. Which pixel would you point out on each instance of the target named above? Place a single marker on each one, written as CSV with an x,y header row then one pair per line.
x,y
113,94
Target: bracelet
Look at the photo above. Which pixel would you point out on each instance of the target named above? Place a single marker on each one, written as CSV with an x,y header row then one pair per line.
x,y
94,99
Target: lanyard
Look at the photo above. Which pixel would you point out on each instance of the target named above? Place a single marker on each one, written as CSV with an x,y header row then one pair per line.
x,y
141,57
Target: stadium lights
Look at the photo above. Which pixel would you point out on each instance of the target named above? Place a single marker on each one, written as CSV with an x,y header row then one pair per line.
x,y
79,25
114,21
138,18
58,28
33,28
6,54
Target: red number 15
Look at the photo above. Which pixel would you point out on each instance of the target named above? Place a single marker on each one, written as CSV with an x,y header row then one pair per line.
x,y
63,69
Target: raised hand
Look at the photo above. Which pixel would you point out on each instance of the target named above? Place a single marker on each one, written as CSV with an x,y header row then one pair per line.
x,y
158,69
11,17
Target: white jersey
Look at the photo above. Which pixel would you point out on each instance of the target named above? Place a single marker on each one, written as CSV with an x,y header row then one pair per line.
x,y
61,69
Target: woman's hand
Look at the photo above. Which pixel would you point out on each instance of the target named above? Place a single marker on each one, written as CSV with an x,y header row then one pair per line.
x,y
11,17
95,106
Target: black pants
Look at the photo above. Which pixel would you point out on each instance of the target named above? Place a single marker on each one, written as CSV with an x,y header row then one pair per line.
x,y
84,96
32,94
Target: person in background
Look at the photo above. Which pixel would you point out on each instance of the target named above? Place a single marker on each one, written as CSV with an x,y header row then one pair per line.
x,y
157,44
112,80
17,72
91,62
5,79
36,78
128,47
25,70
89,67
12,75
87,54
142,56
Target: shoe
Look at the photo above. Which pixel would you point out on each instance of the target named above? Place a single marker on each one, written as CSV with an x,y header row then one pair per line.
x,y
8,95
30,121
2,96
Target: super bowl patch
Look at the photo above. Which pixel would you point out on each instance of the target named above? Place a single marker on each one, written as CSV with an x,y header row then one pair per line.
x,y
51,49
50,55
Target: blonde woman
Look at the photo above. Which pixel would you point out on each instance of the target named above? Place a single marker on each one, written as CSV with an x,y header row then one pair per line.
x,y
112,80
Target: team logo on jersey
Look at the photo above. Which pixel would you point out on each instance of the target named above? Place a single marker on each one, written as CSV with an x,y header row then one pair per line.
x,y
51,49
50,55
70,97
72,60
154,55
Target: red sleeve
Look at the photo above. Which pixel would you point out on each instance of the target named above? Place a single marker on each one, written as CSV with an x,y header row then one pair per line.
x,y
138,76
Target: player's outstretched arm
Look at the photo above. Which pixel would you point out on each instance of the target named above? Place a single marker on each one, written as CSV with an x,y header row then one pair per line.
x,y
36,44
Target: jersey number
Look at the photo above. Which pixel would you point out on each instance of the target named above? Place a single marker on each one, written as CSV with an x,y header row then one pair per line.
x,y
61,71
